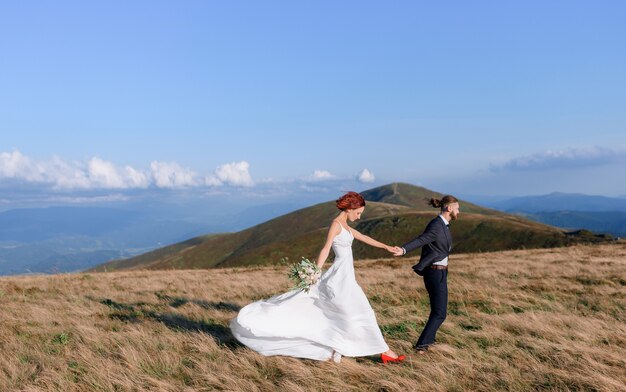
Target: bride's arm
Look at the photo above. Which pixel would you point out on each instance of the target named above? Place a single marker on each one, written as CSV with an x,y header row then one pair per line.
x,y
371,241
332,233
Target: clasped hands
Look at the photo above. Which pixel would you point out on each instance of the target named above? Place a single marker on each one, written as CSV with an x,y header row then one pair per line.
x,y
396,250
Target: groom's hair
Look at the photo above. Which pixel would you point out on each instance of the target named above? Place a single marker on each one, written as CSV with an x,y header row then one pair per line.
x,y
443,202
350,201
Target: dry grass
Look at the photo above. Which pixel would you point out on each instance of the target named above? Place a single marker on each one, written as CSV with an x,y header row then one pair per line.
x,y
549,319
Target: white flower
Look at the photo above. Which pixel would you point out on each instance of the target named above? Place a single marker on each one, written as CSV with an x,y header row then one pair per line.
x,y
304,274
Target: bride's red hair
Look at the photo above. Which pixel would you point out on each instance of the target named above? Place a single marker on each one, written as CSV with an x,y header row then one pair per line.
x,y
350,201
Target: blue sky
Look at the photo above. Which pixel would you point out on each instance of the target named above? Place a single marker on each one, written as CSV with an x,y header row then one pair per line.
x,y
481,97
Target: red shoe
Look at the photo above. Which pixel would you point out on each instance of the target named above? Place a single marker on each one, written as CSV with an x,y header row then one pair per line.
x,y
387,358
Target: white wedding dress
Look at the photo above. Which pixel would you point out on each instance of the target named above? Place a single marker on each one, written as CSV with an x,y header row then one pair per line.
x,y
333,317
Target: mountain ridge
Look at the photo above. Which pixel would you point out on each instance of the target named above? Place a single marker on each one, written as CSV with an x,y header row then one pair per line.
x,y
394,214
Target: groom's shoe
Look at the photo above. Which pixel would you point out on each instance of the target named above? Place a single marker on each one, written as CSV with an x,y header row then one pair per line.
x,y
422,349
387,358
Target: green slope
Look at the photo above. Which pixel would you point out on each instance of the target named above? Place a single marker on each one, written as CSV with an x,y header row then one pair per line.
x,y
395,214
251,246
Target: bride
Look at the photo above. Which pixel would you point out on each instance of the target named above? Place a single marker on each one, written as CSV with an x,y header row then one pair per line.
x,y
333,319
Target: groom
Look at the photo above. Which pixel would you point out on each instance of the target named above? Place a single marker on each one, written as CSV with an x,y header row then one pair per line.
x,y
436,243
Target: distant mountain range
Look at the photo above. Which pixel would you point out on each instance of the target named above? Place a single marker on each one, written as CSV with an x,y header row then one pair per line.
x,y
560,202
395,213
612,222
66,239
62,239
600,214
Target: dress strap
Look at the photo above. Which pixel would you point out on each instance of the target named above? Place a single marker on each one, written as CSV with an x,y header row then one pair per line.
x,y
339,223
348,229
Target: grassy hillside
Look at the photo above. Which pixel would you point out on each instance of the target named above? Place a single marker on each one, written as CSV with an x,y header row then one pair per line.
x,y
526,320
394,214
266,243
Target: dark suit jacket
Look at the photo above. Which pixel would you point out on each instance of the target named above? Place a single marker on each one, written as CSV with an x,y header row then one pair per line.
x,y
436,241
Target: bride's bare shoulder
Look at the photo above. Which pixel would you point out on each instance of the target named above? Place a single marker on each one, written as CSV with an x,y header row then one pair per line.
x,y
335,226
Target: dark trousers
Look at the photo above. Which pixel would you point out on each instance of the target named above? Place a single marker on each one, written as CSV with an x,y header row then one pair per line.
x,y
436,282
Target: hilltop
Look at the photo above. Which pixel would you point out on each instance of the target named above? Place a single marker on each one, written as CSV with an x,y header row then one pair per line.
x,y
525,320
394,214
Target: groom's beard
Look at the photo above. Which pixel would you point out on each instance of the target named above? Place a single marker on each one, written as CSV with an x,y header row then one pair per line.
x,y
453,216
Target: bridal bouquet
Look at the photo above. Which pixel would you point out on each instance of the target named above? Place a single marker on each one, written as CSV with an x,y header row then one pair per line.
x,y
304,274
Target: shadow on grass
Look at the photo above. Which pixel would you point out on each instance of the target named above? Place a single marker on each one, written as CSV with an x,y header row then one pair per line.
x,y
137,313
177,302
369,359
220,333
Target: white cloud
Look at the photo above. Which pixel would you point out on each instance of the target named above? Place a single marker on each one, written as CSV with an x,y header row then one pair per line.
x,y
235,173
59,174
136,178
56,172
16,165
321,175
63,175
366,176
171,175
98,173
564,159
212,180
104,174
